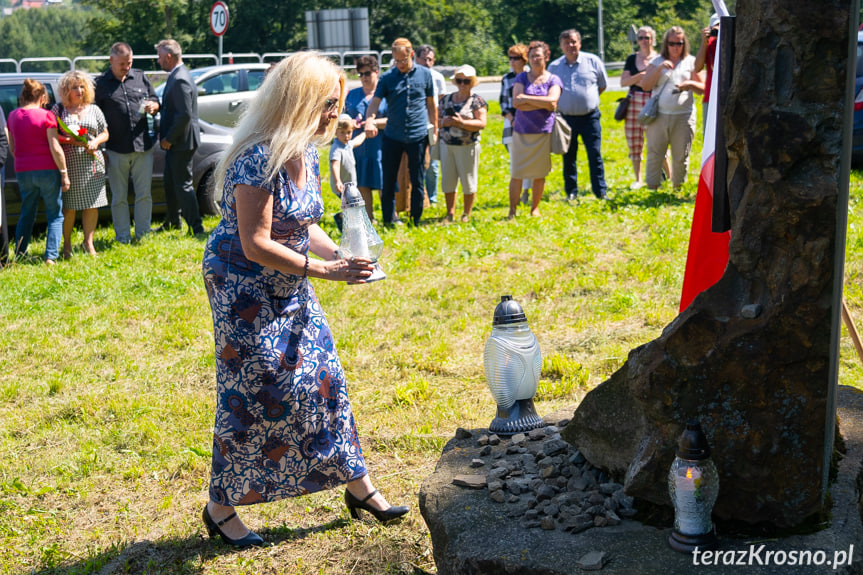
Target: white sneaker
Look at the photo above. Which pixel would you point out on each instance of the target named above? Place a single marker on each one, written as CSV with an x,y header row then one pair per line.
x,y
636,185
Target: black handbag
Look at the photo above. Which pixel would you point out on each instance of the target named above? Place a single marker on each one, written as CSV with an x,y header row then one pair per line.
x,y
622,107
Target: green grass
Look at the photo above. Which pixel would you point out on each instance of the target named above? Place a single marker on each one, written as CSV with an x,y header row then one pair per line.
x,y
107,373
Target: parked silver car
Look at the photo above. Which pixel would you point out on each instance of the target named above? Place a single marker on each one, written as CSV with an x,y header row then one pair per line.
x,y
214,140
225,91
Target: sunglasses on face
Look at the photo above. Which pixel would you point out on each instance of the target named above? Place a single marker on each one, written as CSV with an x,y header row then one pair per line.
x,y
365,74
511,58
463,81
640,38
330,105
676,43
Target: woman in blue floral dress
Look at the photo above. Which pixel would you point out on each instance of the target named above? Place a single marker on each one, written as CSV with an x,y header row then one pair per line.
x,y
284,425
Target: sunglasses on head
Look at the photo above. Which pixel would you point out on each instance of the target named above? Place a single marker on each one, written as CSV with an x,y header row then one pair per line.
x,y
676,43
365,74
464,81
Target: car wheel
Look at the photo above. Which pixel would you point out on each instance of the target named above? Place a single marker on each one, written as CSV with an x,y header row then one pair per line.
x,y
206,195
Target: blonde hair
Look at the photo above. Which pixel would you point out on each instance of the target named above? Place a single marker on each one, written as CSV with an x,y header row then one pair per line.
x,y
71,79
287,112
403,43
650,32
674,31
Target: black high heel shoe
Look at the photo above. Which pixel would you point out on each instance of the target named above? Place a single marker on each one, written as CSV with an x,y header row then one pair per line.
x,y
354,505
213,529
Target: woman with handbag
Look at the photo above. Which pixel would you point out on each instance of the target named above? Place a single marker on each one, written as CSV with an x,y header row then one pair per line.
x,y
534,95
462,116
634,71
674,76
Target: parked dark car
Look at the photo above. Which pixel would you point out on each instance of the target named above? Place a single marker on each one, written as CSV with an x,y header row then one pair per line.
x,y
214,140
857,134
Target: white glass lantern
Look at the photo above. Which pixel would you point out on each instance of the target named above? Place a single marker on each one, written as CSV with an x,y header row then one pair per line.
x,y
693,485
359,238
512,365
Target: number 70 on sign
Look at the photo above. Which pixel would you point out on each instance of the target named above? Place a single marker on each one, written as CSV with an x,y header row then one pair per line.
x,y
219,17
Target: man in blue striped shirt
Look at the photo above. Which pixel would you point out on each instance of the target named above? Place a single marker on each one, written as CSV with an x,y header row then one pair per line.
x,y
584,79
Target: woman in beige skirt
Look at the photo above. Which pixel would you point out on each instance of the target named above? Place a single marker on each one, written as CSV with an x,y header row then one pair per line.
x,y
534,95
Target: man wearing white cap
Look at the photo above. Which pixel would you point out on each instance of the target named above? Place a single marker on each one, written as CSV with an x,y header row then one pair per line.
x,y
704,59
463,115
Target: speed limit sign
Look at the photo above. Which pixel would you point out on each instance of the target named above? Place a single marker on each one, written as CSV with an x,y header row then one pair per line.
x,y
219,18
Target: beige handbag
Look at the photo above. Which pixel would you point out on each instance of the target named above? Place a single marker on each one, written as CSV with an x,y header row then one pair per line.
x,y
561,135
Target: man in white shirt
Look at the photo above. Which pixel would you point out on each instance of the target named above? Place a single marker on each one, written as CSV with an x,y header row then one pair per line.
x,y
425,56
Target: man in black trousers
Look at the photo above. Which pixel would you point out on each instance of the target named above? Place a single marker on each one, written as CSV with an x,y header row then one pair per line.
x,y
180,135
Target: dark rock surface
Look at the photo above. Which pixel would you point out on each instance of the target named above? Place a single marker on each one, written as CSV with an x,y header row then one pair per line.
x,y
751,356
473,534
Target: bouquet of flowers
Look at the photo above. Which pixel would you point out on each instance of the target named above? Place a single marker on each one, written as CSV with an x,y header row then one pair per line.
x,y
79,135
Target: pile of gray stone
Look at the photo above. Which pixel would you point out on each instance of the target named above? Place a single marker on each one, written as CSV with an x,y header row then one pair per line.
x,y
545,482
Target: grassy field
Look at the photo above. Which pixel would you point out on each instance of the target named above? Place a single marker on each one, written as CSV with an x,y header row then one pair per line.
x,y
107,373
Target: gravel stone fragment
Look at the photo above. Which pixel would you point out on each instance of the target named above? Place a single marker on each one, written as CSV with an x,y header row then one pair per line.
x,y
462,433
555,446
518,439
498,496
493,439
495,484
482,441
477,462
547,523
537,434
485,451
609,488
596,499
544,492
498,473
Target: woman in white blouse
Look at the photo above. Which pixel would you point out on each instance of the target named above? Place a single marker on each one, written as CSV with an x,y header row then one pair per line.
x,y
674,78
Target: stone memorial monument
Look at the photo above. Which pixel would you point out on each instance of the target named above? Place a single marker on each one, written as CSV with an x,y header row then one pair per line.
x,y
755,357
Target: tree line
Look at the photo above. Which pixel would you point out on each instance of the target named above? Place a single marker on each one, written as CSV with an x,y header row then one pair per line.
x,y
462,31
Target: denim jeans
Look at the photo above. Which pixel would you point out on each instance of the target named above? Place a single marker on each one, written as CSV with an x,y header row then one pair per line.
x,y
138,165
588,128
432,178
33,185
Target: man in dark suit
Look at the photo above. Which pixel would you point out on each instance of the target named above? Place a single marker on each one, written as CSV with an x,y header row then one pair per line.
x,y
179,134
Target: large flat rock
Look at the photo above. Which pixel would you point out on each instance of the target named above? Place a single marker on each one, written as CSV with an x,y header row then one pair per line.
x,y
474,535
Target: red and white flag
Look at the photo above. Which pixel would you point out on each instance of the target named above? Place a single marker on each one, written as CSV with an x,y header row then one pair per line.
x,y
708,251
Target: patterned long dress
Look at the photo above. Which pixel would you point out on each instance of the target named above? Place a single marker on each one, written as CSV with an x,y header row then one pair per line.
x,y
284,426
86,171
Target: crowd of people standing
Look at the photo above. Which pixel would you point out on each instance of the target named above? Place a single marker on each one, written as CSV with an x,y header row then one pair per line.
x,y
417,136
98,132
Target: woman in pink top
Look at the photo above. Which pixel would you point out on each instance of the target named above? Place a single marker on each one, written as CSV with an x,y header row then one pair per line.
x,y
40,167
